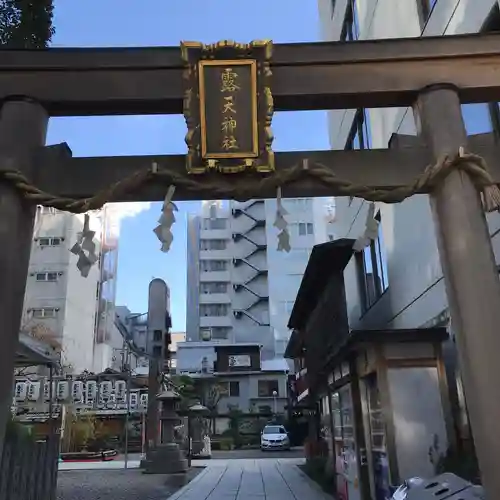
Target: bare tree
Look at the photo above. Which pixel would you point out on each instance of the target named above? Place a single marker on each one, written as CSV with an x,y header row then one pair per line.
x,y
45,334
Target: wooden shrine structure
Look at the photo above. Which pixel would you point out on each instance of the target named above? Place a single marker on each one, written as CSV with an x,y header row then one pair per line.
x,y
432,75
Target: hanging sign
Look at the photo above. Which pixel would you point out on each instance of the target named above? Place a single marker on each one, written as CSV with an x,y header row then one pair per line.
x,y
228,106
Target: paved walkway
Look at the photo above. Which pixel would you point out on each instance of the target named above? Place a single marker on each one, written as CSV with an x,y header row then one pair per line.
x,y
264,479
135,464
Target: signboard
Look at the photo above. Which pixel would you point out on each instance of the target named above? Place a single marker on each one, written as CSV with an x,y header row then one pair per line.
x,y
228,106
240,360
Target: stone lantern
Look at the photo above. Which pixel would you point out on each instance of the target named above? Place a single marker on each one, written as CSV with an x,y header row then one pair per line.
x,y
167,457
196,439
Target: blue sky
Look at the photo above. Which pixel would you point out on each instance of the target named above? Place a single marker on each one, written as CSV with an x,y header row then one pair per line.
x,y
108,23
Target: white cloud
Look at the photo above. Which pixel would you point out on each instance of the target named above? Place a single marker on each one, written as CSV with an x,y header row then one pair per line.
x,y
120,211
115,214
126,210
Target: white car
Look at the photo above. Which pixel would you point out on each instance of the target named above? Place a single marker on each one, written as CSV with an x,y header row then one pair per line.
x,y
274,437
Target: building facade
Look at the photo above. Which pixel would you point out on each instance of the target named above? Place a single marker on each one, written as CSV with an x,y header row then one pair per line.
x,y
397,282
63,308
240,288
244,382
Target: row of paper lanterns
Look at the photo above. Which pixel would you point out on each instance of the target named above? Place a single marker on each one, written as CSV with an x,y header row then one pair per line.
x,y
77,392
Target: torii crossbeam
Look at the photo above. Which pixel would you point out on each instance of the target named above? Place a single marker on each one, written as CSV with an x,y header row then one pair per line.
x,y
433,75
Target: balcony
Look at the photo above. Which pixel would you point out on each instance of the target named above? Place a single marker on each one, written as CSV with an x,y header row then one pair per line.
x,y
214,298
208,276
208,321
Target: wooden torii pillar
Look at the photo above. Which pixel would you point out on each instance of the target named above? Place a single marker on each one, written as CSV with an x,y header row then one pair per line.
x,y
431,74
23,127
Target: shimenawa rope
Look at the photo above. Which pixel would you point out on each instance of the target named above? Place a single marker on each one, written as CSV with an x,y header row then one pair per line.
x,y
223,187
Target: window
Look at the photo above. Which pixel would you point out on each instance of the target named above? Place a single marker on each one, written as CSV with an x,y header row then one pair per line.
x,y
372,270
213,244
213,211
267,387
213,265
46,276
213,287
297,203
265,409
425,8
214,309
359,136
220,332
286,306
484,117
350,27
214,223
234,389
49,242
44,312
306,228
214,332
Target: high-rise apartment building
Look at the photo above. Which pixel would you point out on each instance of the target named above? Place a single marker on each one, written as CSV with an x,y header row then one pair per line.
x,y
398,281
240,288
64,308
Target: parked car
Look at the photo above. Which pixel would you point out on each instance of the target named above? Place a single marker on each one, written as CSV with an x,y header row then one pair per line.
x,y
274,437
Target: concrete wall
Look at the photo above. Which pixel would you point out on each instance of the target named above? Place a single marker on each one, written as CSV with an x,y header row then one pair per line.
x,y
416,292
286,269
418,419
248,400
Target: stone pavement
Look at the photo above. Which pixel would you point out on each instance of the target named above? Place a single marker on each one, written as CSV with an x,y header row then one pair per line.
x,y
112,484
271,479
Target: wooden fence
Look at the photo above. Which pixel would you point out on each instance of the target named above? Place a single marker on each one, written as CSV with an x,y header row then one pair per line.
x,y
29,469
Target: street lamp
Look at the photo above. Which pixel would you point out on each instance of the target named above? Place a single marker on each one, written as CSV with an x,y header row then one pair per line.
x,y
275,406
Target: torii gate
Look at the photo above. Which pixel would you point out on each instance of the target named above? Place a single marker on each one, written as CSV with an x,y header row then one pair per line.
x,y
433,75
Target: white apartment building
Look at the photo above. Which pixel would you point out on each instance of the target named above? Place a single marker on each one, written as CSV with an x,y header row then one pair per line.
x,y
64,308
398,281
240,288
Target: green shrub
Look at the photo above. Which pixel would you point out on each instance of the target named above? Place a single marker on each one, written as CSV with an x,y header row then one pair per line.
x,y
226,443
15,430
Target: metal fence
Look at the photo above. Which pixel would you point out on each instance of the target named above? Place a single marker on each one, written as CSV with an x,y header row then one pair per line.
x,y
29,469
